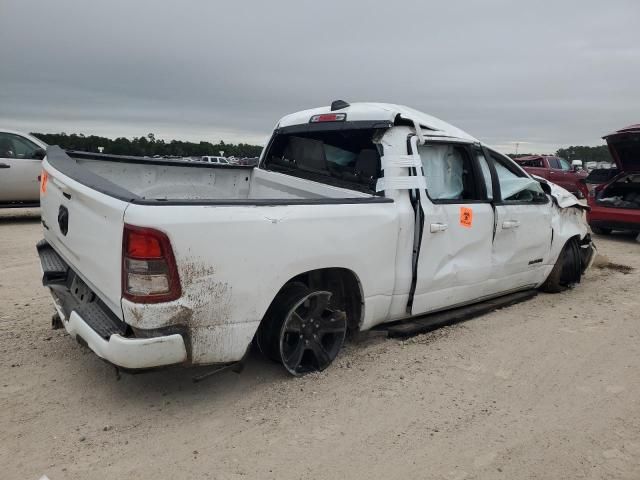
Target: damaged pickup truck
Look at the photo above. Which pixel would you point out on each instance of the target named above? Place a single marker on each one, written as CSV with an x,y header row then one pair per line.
x,y
357,215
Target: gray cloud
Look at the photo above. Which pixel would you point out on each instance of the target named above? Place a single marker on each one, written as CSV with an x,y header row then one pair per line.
x,y
546,74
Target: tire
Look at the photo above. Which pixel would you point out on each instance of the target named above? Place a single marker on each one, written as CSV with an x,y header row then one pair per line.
x,y
300,331
601,230
566,271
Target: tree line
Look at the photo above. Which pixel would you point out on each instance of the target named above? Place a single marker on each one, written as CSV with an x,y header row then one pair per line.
x,y
147,146
150,146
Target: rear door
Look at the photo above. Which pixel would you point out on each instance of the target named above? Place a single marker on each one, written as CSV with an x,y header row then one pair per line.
x,y
19,170
454,262
523,227
85,227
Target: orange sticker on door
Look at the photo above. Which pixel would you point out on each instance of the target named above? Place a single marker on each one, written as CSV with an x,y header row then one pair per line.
x,y
43,181
466,217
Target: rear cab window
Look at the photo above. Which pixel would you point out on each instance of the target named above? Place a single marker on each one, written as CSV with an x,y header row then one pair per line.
x,y
535,163
347,158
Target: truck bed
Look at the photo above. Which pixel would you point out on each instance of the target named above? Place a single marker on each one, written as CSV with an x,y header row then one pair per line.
x,y
214,216
152,181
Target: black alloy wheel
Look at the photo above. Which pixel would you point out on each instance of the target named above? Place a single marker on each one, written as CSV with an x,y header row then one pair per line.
x,y
301,331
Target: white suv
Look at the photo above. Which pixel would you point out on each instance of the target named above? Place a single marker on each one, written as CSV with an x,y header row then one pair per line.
x,y
215,160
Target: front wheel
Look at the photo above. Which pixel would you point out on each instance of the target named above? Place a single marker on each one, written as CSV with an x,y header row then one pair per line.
x,y
300,331
567,270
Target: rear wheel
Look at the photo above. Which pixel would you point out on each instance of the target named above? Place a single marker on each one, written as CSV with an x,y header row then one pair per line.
x,y
567,270
300,331
601,230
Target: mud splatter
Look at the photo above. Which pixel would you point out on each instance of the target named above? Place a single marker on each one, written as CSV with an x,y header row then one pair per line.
x,y
602,262
618,267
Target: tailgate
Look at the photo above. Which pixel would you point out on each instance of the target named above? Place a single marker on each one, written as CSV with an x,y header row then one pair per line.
x,y
84,227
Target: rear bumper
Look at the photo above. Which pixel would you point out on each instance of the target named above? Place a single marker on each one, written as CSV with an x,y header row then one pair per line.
x,y
614,218
129,353
93,325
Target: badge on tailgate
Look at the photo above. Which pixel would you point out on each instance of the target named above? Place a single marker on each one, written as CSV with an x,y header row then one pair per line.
x,y
63,219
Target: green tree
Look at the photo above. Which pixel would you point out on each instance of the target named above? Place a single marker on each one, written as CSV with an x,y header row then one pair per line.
x,y
147,145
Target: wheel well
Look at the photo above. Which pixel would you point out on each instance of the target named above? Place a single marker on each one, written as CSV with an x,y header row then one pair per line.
x,y
571,275
345,288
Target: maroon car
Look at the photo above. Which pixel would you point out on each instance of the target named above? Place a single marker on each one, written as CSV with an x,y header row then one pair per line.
x,y
556,170
615,205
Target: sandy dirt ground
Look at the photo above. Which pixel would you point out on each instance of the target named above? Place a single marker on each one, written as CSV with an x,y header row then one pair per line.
x,y
549,388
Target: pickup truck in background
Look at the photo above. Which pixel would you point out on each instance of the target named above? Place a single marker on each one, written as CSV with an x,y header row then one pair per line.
x,y
21,157
556,170
357,215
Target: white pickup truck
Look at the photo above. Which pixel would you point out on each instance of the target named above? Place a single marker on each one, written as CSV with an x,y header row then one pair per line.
x,y
357,215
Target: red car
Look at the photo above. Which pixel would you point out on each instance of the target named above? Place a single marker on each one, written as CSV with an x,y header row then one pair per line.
x,y
615,205
556,170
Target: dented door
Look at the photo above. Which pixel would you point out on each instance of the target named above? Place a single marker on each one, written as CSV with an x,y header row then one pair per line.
x,y
522,244
455,255
454,261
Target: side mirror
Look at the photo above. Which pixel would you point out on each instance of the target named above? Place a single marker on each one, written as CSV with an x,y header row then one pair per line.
x,y
39,154
576,164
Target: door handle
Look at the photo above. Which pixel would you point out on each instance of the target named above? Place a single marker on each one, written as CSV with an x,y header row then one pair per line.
x,y
510,224
438,227
4,165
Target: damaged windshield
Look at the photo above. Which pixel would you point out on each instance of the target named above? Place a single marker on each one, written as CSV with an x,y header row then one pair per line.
x,y
515,184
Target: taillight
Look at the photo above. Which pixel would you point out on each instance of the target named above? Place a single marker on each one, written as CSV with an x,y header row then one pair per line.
x,y
328,117
149,272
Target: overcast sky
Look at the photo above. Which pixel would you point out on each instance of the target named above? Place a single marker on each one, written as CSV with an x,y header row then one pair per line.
x,y
542,73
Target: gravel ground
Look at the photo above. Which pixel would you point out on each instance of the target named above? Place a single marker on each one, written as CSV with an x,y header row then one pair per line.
x,y
549,388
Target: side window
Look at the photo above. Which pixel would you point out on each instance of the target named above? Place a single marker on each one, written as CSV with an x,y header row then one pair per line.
x,y
22,148
564,164
7,149
448,170
554,163
515,185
